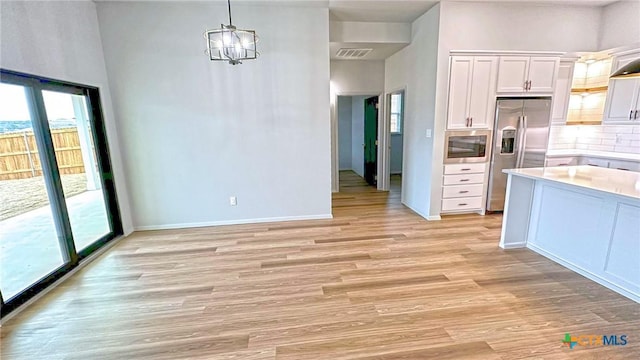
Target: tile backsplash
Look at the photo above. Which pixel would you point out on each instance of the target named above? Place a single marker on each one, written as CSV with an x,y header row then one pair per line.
x,y
616,138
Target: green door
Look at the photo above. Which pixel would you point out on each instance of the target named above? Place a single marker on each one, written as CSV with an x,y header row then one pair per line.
x,y
370,139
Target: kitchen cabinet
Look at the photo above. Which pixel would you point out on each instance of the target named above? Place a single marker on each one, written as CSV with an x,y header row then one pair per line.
x,y
463,187
561,161
562,93
599,161
623,99
471,92
527,74
593,161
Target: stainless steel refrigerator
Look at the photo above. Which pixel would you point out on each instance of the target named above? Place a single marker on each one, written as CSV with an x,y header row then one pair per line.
x,y
521,134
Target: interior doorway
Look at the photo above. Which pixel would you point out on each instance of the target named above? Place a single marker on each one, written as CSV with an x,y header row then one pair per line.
x,y
371,140
396,141
357,118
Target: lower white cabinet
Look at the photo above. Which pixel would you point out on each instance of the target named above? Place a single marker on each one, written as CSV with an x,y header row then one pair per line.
x,y
561,161
456,191
593,161
462,204
463,187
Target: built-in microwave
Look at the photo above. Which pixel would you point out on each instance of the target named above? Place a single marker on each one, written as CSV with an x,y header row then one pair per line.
x,y
466,146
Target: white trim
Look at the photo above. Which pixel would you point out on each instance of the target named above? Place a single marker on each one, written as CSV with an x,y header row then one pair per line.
x,y
434,218
86,261
519,245
232,222
589,275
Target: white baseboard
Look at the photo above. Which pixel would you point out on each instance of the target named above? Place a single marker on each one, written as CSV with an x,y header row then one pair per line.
x,y
415,211
514,245
434,218
232,222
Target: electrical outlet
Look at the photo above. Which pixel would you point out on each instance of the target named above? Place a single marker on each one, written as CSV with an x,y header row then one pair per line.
x,y
233,201
428,133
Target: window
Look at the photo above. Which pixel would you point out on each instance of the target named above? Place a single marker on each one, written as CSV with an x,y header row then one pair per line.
x,y
396,113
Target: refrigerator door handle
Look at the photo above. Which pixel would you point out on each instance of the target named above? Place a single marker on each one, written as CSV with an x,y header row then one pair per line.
x,y
519,144
523,141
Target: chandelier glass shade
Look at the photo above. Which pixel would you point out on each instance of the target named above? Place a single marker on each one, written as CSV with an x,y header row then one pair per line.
x,y
231,44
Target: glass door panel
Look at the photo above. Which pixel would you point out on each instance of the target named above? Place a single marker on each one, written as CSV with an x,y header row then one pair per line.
x,y
29,242
72,137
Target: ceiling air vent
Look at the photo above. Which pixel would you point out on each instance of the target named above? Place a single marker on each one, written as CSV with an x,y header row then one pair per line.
x,y
352,53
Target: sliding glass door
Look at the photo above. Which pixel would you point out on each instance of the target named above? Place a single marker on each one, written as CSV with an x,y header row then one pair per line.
x,y
29,248
58,201
75,155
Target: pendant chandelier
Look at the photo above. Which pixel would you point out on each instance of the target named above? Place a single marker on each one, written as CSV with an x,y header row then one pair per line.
x,y
231,44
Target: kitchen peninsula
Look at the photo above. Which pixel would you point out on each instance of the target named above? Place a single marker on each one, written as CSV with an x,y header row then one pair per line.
x,y
583,217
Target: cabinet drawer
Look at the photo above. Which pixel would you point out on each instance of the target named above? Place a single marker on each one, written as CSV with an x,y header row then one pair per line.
x,y
624,165
456,191
465,203
463,179
594,162
464,168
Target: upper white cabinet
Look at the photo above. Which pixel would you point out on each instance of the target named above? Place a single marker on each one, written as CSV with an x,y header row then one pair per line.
x,y
623,99
527,74
471,91
562,93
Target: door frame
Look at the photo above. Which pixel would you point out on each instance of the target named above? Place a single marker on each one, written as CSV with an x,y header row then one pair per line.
x,y
384,182
335,151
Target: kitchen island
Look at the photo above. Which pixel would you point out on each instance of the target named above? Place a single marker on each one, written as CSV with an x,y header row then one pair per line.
x,y
583,217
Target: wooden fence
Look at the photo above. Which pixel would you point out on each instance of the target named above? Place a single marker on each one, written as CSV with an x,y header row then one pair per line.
x,y
19,157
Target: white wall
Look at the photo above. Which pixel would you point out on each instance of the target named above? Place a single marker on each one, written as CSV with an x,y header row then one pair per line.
x,y
620,25
196,132
61,40
357,76
363,32
517,26
357,134
414,68
344,132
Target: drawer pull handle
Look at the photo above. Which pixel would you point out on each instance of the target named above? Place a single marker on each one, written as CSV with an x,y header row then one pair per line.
x,y
623,169
462,204
463,191
465,169
463,180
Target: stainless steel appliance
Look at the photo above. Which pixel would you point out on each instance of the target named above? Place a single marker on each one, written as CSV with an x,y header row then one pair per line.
x,y
466,146
521,134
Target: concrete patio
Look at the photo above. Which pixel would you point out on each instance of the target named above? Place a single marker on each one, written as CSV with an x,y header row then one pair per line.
x,y
29,248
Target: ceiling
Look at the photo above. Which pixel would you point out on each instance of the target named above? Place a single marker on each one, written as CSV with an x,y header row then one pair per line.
x,y
409,10
378,10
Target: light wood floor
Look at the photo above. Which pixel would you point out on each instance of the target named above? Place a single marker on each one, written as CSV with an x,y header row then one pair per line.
x,y
376,282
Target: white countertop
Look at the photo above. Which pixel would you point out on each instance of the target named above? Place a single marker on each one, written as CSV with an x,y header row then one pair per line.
x,y
613,181
593,153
